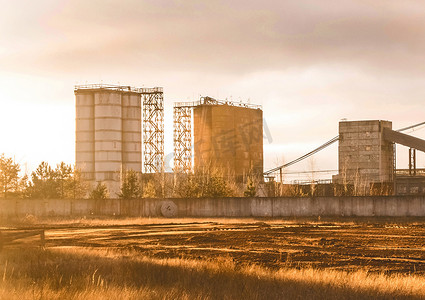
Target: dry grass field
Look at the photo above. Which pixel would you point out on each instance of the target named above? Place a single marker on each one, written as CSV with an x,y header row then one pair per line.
x,y
216,259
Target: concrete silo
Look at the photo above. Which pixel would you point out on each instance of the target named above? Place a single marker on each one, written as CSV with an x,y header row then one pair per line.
x,y
109,131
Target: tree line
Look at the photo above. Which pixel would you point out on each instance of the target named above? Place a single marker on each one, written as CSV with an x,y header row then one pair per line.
x,y
62,182
65,181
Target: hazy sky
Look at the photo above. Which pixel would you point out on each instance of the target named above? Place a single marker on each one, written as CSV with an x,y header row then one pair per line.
x,y
309,63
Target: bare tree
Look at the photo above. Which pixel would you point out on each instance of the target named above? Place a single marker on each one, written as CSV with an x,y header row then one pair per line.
x,y
76,187
63,176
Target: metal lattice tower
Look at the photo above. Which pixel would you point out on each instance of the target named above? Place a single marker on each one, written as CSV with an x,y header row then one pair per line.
x,y
182,138
153,130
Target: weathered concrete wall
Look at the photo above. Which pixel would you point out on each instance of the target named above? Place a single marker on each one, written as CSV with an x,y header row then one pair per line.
x,y
225,207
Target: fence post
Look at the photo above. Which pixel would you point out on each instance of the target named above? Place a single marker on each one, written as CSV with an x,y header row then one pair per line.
x,y
42,238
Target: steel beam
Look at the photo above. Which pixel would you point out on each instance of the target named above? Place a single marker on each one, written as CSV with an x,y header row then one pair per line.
x,y
403,139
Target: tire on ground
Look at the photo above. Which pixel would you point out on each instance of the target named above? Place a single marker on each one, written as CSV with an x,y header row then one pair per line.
x,y
169,209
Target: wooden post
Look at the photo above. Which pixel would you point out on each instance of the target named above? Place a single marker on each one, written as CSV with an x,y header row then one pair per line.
x,y
42,238
1,241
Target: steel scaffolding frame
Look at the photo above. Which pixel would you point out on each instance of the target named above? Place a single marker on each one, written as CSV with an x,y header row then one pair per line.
x,y
153,129
183,138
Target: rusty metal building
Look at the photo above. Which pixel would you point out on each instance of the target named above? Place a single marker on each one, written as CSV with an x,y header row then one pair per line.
x,y
227,136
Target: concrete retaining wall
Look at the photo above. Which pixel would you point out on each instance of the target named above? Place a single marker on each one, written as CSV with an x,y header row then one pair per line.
x,y
224,207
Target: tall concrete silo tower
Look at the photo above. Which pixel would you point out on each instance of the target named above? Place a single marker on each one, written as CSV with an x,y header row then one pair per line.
x,y
109,132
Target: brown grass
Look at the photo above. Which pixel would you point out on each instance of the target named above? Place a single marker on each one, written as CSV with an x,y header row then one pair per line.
x,y
78,273
31,221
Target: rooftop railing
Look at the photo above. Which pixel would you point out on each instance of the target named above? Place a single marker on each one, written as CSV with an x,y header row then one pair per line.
x,y
212,101
119,88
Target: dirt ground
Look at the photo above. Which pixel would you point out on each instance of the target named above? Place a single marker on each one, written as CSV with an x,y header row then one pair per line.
x,y
385,246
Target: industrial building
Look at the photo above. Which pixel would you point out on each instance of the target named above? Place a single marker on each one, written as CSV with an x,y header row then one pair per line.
x,y
367,157
227,136
118,128
366,162
364,156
